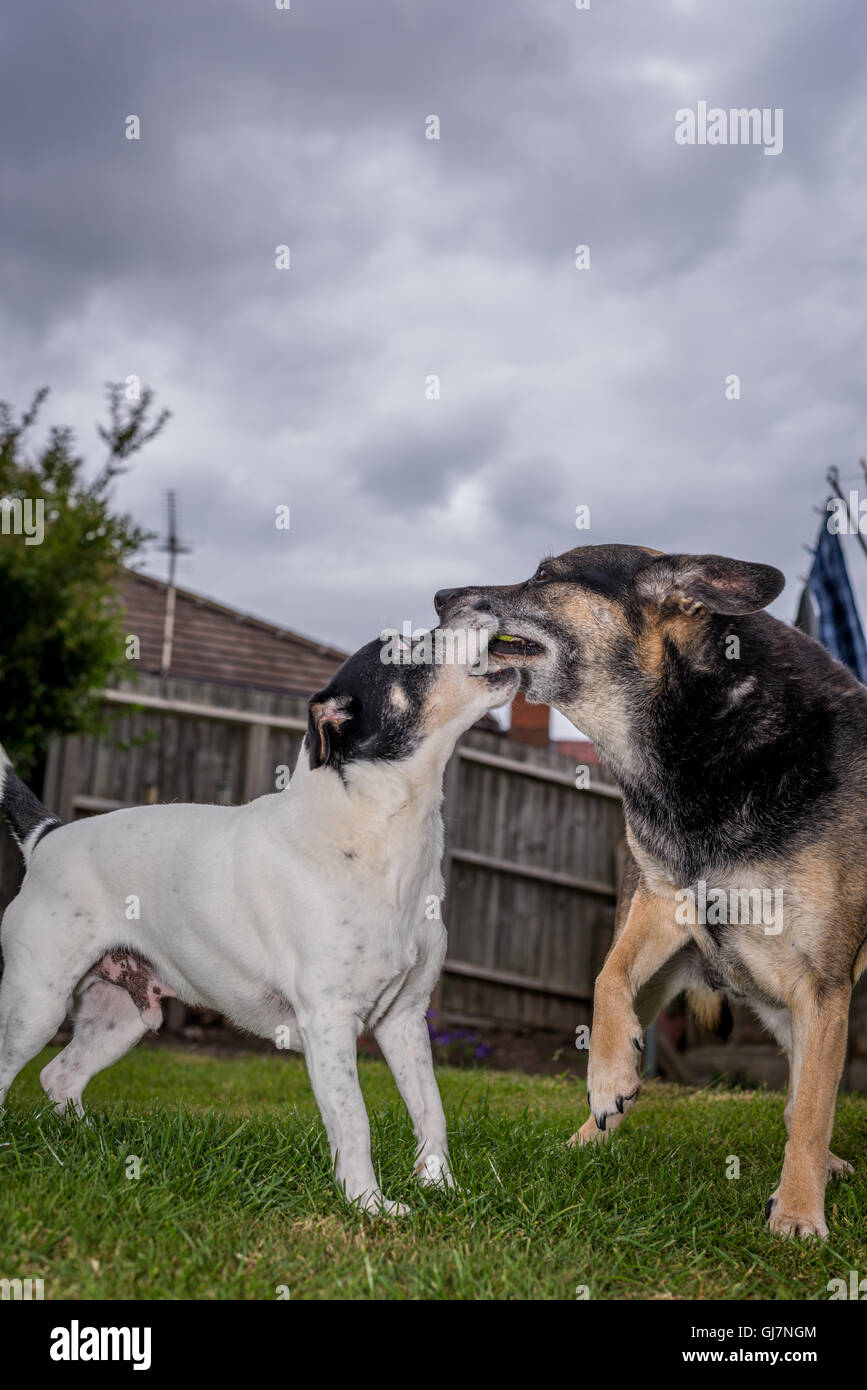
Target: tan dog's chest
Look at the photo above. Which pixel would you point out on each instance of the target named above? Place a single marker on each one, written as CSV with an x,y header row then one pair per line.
x,y
761,933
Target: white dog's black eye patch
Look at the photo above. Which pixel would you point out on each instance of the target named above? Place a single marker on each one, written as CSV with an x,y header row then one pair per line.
x,y
370,710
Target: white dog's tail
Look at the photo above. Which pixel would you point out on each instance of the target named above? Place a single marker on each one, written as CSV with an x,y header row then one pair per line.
x,y
27,818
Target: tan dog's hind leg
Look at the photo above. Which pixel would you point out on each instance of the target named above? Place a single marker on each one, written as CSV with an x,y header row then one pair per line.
x,y
649,939
779,1023
819,1028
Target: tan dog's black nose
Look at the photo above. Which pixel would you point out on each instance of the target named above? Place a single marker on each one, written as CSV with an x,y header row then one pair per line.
x,y
444,597
471,599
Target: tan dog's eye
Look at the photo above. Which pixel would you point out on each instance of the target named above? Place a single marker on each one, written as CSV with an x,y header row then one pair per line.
x,y
542,576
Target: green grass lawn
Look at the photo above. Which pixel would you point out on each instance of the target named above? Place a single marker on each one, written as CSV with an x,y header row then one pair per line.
x,y
235,1196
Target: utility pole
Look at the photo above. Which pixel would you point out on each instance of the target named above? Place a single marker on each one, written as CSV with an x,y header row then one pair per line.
x,y
174,548
176,1011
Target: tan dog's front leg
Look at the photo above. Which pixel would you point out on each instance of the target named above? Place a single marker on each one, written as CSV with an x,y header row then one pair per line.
x,y
664,985
819,1029
650,937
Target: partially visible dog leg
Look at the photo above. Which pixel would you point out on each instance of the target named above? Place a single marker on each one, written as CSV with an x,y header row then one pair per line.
x,y
107,1024
779,1023
649,939
837,1167
676,975
30,1015
332,1061
405,1043
819,1029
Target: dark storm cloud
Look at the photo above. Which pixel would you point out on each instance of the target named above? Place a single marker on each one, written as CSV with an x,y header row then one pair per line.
x,y
421,465
412,257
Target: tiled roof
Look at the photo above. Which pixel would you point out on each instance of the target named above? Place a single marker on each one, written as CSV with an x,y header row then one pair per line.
x,y
216,643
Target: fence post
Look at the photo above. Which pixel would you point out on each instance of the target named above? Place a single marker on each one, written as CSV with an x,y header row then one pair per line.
x,y
69,778
254,761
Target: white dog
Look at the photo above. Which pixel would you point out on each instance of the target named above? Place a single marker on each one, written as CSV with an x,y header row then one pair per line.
x,y
305,916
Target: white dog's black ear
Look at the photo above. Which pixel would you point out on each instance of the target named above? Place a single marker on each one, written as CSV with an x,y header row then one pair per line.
x,y
711,582
328,714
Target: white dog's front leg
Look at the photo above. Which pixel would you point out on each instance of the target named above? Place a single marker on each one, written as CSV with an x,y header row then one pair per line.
x,y
405,1042
332,1062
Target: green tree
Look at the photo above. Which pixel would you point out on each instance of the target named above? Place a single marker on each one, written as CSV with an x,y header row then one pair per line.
x,y
61,636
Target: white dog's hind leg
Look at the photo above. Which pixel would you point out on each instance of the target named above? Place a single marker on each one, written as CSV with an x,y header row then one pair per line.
x,y
107,1024
405,1042
332,1061
30,1015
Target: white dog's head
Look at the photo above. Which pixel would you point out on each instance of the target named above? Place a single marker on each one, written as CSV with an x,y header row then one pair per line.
x,y
392,696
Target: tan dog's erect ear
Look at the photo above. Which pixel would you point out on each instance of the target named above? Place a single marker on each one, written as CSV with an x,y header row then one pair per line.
x,y
711,582
327,716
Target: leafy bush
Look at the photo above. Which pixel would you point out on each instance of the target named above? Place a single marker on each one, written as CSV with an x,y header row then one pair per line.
x,y
60,624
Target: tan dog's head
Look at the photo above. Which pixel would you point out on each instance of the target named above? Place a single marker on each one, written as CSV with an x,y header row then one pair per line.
x,y
593,630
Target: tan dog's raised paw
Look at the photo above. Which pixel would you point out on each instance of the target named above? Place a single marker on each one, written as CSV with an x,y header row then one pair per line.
x,y
613,1085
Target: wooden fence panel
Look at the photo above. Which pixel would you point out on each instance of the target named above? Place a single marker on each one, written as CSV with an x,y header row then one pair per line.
x,y
530,872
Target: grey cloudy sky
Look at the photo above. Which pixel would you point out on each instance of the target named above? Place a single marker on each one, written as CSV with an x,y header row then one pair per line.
x,y
410,256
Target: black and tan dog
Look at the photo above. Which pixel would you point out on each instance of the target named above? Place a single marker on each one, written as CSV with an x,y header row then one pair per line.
x,y
740,747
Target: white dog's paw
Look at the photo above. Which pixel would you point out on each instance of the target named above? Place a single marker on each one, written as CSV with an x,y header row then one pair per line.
x,y
434,1171
393,1208
375,1204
